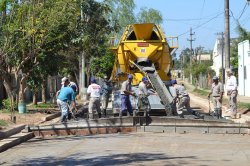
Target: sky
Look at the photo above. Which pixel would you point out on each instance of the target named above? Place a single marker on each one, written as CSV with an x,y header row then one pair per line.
x,y
205,17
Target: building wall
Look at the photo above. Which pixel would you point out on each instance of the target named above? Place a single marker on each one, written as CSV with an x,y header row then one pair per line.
x,y
217,61
244,68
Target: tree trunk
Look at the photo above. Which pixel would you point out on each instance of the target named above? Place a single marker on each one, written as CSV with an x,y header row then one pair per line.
x,y
44,91
35,94
8,88
21,90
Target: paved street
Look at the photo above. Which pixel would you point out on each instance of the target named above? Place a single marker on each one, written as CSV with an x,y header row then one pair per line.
x,y
133,149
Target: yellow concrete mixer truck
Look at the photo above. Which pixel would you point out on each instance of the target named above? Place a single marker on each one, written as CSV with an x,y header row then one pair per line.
x,y
143,50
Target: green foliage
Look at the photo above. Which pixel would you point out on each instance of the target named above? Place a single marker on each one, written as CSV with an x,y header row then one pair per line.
x,y
149,16
3,123
200,68
243,35
103,65
42,105
7,104
200,92
241,105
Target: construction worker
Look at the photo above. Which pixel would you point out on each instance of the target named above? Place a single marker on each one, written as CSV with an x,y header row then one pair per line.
x,y
184,100
217,94
126,91
65,96
175,99
73,86
106,90
231,88
94,101
143,102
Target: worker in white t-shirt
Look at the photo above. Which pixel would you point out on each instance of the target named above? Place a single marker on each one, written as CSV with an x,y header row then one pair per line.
x,y
94,102
231,88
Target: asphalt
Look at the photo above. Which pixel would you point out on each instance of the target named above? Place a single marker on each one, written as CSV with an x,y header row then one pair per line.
x,y
132,149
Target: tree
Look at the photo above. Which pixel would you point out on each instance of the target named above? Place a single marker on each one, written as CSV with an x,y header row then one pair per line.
x,y
92,32
33,28
149,16
243,35
122,15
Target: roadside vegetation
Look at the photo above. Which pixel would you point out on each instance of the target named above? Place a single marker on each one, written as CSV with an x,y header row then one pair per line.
x,y
41,38
3,123
204,92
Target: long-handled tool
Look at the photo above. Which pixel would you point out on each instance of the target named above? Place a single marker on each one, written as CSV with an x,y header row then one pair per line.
x,y
71,111
209,107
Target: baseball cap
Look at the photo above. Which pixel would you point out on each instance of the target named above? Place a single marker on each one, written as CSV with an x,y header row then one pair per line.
x,y
92,80
229,70
173,82
64,79
105,77
215,78
130,76
144,79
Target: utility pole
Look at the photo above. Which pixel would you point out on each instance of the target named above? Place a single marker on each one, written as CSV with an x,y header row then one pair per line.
x,y
83,91
227,35
191,52
222,56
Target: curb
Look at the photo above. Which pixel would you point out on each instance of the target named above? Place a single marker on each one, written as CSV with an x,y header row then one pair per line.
x,y
8,133
15,140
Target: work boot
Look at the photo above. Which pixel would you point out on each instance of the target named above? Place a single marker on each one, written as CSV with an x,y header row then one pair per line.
x,y
181,115
104,113
198,115
64,119
220,113
217,113
99,115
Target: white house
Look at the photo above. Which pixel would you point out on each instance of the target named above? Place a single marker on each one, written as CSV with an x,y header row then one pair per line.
x,y
217,57
244,68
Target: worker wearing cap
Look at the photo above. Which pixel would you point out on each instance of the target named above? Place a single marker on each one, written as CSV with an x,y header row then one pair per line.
x,y
106,90
217,94
143,102
184,100
65,96
231,88
94,101
172,91
126,91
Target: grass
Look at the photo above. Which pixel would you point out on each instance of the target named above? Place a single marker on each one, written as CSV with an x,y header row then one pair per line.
x,y
42,105
204,93
3,123
3,110
201,92
243,105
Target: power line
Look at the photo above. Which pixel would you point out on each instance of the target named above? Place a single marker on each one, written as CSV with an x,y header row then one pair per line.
x,y
198,26
192,19
243,10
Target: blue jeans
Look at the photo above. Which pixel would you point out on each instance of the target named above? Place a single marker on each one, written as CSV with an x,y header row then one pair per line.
x,y
64,107
126,104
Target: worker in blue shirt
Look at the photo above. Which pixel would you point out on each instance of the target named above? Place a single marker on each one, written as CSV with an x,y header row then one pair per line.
x,y
66,96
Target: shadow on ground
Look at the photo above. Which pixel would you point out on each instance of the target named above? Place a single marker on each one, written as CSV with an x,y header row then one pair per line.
x,y
107,160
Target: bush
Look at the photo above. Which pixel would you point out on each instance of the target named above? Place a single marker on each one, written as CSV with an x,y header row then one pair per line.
x,y
3,123
7,104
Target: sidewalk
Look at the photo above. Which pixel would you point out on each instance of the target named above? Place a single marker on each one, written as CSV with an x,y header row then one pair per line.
x,y
190,88
203,102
